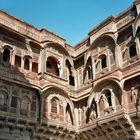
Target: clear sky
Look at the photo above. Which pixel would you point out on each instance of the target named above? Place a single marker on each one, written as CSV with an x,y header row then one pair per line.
x,y
71,19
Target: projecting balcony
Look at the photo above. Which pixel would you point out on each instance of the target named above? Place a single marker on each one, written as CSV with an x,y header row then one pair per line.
x,y
18,74
58,120
110,113
50,77
134,109
55,123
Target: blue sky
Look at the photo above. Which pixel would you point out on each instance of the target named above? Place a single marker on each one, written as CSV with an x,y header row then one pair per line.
x,y
71,19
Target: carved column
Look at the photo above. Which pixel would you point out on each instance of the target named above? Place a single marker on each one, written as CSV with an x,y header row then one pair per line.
x,y
137,46
108,58
93,67
43,58
12,58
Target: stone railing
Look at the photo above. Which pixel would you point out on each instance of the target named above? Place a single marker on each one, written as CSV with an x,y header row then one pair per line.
x,y
48,77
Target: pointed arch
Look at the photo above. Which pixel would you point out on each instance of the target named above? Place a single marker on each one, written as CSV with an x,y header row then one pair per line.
x,y
51,89
25,105
3,100
88,71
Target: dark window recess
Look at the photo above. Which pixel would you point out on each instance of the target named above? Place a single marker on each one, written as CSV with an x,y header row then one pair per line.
x,y
108,96
71,80
89,72
104,65
17,61
14,101
48,64
52,66
26,64
6,55
33,106
35,67
132,51
79,62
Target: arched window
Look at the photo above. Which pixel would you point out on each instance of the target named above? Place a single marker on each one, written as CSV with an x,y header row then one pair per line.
x,y
108,98
101,104
52,66
14,101
17,61
6,55
103,62
26,64
25,106
89,72
33,105
54,103
132,51
3,100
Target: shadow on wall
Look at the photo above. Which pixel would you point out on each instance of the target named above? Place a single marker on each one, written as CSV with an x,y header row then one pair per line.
x,y
10,71
91,112
15,104
68,110
132,89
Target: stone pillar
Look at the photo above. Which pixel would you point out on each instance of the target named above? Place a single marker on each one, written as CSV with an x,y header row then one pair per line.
x,y
76,112
43,59
118,56
108,58
137,46
30,65
12,57
42,104
93,67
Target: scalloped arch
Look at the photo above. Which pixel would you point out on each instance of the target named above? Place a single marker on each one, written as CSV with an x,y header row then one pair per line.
x,y
107,36
106,82
62,93
62,48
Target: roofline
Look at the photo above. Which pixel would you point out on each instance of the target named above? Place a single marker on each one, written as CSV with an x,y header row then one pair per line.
x,y
106,21
30,25
136,1
101,24
81,42
46,30
91,32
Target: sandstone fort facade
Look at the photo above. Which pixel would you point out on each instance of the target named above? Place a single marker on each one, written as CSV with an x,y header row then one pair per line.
x,y
50,90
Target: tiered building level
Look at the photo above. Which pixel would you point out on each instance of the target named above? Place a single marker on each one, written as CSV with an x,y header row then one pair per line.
x,y
50,90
